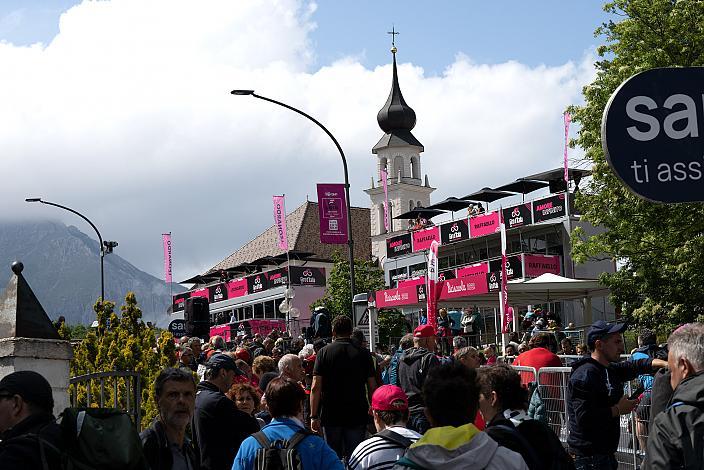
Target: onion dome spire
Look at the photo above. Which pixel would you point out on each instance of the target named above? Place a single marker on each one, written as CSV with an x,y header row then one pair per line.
x,y
396,115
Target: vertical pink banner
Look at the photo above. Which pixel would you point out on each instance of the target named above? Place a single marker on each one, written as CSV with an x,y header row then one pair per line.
x,y
332,213
384,182
432,297
568,119
166,238
280,221
504,275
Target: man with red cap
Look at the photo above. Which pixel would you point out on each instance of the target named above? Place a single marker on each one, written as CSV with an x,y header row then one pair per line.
x,y
413,369
390,412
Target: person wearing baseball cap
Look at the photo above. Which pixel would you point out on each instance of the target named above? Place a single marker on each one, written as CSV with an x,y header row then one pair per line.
x,y
218,426
26,407
381,451
595,397
412,370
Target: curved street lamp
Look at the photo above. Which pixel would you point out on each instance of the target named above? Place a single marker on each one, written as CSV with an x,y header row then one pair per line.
x,y
105,247
350,241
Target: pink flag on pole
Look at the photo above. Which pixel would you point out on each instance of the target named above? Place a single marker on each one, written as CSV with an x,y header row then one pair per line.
x,y
568,119
432,297
166,238
384,182
504,276
280,221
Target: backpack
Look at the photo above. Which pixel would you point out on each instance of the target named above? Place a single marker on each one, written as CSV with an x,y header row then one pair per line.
x,y
280,454
546,444
531,457
323,327
394,437
97,439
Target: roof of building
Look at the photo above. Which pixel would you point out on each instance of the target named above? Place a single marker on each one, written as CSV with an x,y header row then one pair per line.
x,y
303,229
396,118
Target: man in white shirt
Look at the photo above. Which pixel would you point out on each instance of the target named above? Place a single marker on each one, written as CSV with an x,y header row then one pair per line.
x,y
390,412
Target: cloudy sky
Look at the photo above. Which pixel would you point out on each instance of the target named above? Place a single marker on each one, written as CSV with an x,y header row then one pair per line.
x,y
121,108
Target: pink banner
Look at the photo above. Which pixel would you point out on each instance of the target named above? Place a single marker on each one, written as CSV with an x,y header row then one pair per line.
x,y
432,297
200,293
479,268
280,221
422,239
332,213
508,320
486,224
535,265
236,288
463,287
568,119
412,282
504,275
397,297
384,182
166,238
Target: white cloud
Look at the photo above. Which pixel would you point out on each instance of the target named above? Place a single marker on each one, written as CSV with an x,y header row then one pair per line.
x,y
126,115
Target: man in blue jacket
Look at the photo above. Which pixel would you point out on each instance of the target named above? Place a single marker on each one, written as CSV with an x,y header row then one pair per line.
x,y
595,398
284,398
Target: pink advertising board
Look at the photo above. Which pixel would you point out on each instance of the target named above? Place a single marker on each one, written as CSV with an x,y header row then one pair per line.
x,y
412,282
221,330
472,269
464,287
423,238
200,293
486,224
541,264
396,297
236,288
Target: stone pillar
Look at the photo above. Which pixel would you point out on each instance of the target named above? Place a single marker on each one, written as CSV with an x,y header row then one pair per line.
x,y
49,357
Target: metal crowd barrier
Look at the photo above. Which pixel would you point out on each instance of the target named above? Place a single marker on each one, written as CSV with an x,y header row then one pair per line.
x,y
552,386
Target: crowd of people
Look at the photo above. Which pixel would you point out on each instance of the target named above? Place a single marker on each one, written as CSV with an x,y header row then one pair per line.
x,y
329,404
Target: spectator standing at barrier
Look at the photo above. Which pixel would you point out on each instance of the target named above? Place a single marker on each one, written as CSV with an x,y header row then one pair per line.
x,y
405,344
285,402
218,426
647,347
165,443
502,402
595,397
342,376
412,371
471,323
26,407
538,355
677,437
445,324
390,413
452,396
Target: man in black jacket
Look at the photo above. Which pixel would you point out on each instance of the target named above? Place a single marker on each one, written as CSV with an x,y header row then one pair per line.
x,y
595,398
165,444
413,369
218,426
677,437
30,436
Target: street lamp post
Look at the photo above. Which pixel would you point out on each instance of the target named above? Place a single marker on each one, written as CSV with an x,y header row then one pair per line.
x,y
350,241
105,247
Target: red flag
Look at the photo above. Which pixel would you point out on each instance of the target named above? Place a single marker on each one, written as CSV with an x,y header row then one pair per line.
x,y
432,297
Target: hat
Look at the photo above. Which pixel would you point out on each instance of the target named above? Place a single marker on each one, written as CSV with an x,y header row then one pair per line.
x,y
222,361
389,398
243,354
600,329
424,331
31,386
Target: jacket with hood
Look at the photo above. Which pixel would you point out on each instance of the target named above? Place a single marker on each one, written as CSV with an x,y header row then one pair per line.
x,y
591,392
677,439
463,447
412,370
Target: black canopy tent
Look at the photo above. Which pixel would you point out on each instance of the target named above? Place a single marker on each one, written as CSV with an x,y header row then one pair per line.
x,y
487,195
425,212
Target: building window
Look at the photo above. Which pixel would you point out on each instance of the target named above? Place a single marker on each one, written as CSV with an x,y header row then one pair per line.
x,y
410,205
382,228
382,165
398,166
418,204
396,275
415,168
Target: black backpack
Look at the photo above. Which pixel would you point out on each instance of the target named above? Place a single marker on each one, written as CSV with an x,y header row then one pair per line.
x,y
546,444
323,327
96,439
280,454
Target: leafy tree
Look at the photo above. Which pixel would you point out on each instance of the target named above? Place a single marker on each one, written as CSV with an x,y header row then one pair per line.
x,y
392,325
337,299
122,343
659,248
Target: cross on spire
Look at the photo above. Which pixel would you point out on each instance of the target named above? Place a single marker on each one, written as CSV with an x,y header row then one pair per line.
x,y
393,34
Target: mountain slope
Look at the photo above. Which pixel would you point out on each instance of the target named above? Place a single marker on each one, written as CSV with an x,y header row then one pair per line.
x,y
62,265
